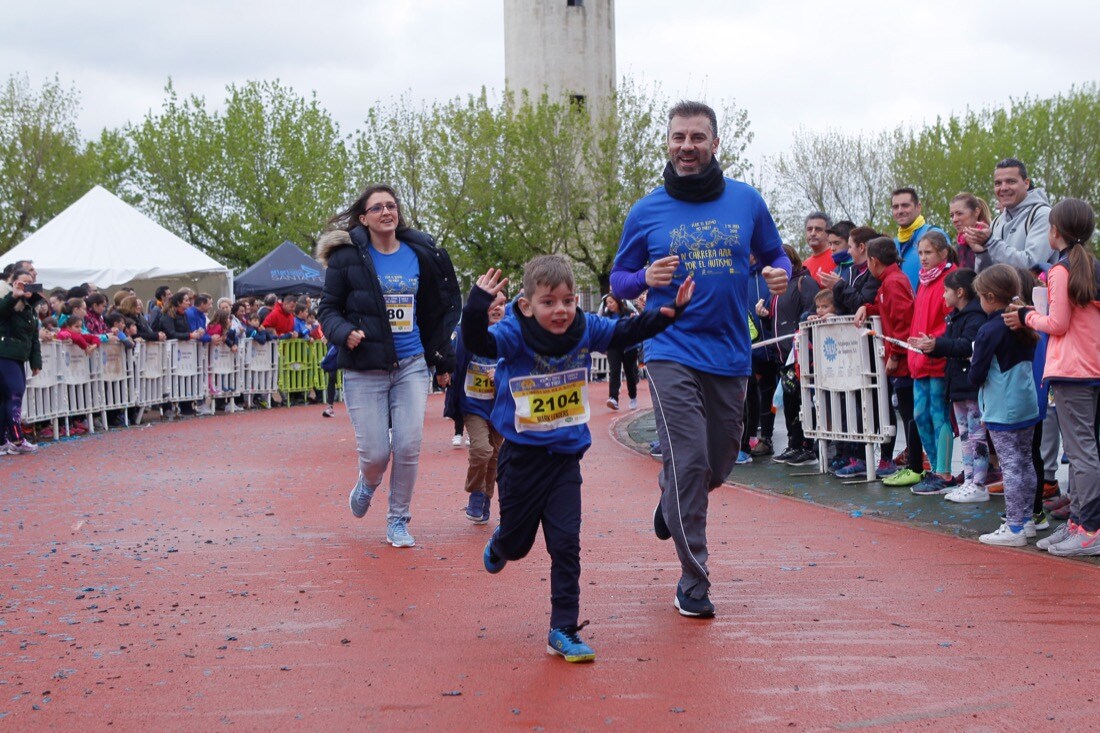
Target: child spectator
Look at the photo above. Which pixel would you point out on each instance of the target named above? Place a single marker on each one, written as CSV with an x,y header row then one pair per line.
x,y
1001,370
930,402
73,331
1073,368
474,390
301,328
837,236
542,411
824,305
116,326
894,305
956,346
255,331
93,320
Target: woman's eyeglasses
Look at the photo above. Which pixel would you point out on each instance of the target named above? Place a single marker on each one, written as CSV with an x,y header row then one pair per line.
x,y
379,208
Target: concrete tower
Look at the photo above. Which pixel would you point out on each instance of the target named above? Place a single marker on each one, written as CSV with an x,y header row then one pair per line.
x,y
562,47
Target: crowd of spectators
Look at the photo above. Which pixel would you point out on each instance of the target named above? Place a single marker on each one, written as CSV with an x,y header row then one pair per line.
x,y
88,318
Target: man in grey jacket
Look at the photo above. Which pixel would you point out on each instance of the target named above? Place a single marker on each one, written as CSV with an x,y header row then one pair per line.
x,y
1018,236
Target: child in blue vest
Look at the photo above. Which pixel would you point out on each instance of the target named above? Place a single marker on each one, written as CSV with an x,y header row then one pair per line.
x,y
542,410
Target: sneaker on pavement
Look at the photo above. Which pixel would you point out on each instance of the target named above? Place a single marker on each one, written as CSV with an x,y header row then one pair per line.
x,y
7,449
786,455
1031,526
1078,544
360,498
456,441
328,412
967,494
885,468
567,644
856,467
1040,521
1061,512
1056,502
655,449
1058,535
397,533
763,447
1004,536
24,447
743,458
476,507
633,403
932,484
612,403
693,607
904,477
1051,489
660,527
803,458
837,463
493,563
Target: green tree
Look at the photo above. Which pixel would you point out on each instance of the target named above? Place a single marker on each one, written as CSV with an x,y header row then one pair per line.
x,y
43,164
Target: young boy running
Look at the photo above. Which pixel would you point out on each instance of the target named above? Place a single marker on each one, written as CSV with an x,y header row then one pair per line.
x,y
542,411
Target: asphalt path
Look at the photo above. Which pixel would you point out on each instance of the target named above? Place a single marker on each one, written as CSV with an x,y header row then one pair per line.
x,y
207,574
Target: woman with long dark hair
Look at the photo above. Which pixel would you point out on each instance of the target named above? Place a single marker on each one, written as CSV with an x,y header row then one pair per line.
x,y
620,361
390,303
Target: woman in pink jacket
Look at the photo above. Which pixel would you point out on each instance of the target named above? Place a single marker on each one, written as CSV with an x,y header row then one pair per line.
x,y
1073,368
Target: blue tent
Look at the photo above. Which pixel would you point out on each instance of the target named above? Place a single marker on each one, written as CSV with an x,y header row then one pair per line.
x,y
285,269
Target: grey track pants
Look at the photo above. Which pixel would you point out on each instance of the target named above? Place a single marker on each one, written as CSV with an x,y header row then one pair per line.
x,y
699,423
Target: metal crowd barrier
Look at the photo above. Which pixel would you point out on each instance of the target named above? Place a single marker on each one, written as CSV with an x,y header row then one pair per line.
x,y
115,379
844,384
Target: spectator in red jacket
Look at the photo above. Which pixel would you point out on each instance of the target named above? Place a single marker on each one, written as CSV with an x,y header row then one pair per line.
x,y
894,305
280,321
73,331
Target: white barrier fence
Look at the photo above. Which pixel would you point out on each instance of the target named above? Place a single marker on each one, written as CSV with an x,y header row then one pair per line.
x,y
112,379
844,385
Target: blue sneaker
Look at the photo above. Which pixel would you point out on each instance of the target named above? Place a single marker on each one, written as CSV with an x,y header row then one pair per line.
x,y
360,498
655,449
477,509
854,469
565,643
693,607
397,533
493,563
743,458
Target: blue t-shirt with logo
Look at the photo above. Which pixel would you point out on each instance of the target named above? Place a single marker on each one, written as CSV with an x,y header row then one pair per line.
x,y
399,274
713,240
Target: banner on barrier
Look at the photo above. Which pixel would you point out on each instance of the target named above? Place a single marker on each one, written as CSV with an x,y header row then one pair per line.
x,y
838,363
113,365
186,362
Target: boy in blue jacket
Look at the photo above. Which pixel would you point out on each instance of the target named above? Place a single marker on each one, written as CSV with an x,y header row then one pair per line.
x,y
542,410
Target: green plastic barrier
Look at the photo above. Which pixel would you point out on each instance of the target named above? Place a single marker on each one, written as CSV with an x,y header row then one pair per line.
x,y
300,367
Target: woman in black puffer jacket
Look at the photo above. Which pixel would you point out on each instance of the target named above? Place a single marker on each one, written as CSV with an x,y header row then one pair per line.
x,y
19,344
389,305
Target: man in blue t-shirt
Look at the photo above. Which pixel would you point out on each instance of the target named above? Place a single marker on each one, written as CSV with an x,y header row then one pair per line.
x,y
701,224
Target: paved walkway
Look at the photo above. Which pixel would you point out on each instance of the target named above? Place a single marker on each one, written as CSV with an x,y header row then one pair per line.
x,y
207,574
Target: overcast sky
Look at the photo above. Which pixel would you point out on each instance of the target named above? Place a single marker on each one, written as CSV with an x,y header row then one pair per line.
x,y
849,64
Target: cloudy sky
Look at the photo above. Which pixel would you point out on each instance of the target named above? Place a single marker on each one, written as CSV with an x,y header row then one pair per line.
x,y
848,64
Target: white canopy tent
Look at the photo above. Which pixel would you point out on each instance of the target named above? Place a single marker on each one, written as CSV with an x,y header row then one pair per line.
x,y
103,240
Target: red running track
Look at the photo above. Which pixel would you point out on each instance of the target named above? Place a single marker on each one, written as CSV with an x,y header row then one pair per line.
x,y
207,574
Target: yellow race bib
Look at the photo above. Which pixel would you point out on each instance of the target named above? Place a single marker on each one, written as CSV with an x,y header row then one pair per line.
x,y
400,309
550,401
479,381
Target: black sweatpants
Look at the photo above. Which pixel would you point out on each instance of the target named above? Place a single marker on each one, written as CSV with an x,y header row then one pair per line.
x,y
536,486
619,361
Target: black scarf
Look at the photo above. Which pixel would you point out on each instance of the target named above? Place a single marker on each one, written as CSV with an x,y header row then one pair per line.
x,y
545,343
706,185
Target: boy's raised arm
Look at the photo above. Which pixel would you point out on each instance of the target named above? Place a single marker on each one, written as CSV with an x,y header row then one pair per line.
x,y
475,315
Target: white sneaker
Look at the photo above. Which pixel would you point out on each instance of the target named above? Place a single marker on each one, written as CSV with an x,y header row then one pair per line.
x,y
1005,537
633,403
613,403
456,441
22,448
968,494
1062,533
7,449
